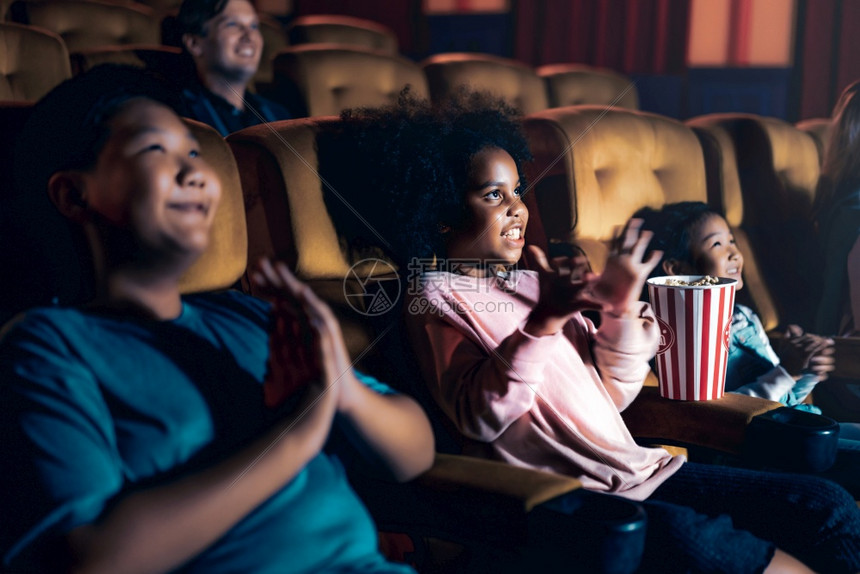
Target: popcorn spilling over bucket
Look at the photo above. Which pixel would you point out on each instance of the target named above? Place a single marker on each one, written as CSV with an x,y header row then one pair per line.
x,y
694,335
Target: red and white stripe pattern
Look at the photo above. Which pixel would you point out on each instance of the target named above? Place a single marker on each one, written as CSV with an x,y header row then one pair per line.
x,y
694,343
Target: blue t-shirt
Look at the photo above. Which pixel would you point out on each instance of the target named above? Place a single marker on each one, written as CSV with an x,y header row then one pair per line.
x,y
93,405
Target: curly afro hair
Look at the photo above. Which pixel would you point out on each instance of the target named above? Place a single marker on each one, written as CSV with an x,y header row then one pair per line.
x,y
393,174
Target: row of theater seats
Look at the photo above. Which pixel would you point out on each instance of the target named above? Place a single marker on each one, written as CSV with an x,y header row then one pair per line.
x,y
319,64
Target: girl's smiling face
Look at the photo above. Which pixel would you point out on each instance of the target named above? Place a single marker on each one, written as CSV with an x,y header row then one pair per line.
x,y
495,230
713,251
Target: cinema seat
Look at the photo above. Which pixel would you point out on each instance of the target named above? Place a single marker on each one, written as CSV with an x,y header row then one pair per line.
x,y
333,29
818,128
153,57
33,61
274,40
84,24
516,83
578,84
769,202
325,79
594,167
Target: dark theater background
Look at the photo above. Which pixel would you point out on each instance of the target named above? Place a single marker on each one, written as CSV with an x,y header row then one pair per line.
x,y
780,58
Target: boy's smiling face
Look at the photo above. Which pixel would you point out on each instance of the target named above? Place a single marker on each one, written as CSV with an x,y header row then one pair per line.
x,y
713,250
150,182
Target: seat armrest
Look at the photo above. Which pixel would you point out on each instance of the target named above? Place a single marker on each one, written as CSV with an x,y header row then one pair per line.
x,y
718,424
511,486
511,518
463,499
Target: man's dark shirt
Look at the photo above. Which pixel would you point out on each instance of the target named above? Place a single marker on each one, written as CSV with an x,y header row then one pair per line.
x,y
210,108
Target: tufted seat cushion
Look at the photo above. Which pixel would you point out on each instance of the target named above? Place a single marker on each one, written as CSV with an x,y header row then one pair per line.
x,y
32,61
331,78
332,29
594,167
517,83
577,84
86,24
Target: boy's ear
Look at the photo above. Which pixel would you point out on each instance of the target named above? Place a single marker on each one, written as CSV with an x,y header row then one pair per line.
x,y
192,43
66,191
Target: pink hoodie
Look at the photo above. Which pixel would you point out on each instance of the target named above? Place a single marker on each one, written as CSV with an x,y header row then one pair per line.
x,y
550,403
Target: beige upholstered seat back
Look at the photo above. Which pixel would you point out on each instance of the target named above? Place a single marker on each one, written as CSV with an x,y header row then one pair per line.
x,y
32,62
332,29
518,84
143,56
768,203
86,24
577,84
819,129
331,78
274,40
594,167
287,218
225,260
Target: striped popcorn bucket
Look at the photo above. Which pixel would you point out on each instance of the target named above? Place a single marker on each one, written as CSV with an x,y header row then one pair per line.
x,y
694,336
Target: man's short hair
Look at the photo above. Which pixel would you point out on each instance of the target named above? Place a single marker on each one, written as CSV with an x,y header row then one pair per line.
x,y
193,15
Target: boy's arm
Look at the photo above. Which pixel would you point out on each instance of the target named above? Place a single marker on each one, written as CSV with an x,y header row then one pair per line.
x,y
394,427
159,529
59,434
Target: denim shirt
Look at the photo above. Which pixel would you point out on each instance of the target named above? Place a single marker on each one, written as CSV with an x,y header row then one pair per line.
x,y
753,366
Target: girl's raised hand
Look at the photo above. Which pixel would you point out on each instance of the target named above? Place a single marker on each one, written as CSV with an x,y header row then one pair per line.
x,y
620,285
564,284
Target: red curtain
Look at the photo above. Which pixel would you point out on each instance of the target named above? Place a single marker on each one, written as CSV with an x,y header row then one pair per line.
x,y
630,36
829,49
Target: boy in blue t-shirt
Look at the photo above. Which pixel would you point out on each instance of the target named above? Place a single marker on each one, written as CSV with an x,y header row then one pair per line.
x,y
147,431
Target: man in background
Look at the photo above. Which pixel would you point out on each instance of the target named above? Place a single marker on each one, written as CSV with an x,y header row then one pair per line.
x,y
222,38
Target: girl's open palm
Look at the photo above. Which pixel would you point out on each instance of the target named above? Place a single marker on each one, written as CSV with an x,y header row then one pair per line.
x,y
619,286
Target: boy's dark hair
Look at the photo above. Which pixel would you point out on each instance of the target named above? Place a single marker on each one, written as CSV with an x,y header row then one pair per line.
x,y
404,168
193,15
66,131
672,226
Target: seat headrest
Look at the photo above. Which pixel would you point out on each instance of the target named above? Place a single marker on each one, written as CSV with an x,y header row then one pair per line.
x,y
225,260
325,28
513,81
610,163
90,23
577,84
34,61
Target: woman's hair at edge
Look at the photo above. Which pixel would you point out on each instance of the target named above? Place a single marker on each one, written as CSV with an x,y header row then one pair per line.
x,y
404,168
840,172
672,226
66,131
